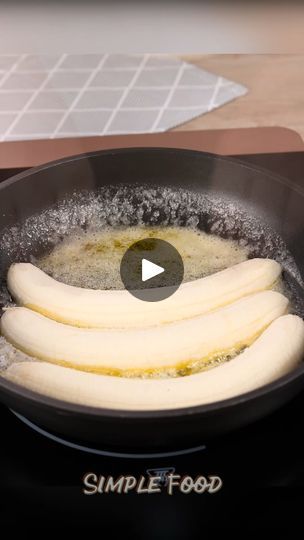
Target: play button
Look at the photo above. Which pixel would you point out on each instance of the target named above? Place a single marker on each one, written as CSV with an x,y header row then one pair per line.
x,y
151,269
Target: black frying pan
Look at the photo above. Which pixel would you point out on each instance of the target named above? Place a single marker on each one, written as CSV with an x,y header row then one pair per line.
x,y
271,204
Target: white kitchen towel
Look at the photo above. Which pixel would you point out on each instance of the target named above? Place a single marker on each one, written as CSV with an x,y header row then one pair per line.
x,y
93,94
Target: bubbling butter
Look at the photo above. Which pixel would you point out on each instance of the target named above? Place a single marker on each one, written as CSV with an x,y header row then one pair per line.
x,y
92,259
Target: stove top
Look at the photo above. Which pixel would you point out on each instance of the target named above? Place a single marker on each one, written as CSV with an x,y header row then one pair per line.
x,y
261,468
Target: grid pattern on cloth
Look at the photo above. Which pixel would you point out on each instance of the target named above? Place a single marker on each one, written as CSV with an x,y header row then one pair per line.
x,y
101,94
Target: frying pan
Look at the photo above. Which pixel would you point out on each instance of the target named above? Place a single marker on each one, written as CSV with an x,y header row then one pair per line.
x,y
269,199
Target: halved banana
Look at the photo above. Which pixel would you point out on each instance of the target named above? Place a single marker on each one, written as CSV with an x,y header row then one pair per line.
x,y
136,351
273,354
118,309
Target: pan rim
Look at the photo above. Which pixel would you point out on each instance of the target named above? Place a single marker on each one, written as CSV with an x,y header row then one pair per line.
x,y
166,150
84,410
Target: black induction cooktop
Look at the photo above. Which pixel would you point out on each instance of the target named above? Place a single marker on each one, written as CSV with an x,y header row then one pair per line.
x,y
258,471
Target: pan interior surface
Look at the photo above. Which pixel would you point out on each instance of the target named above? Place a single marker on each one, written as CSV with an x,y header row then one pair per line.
x,y
107,221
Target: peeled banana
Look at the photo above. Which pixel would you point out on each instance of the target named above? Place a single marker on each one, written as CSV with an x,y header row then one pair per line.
x,y
89,308
274,353
138,351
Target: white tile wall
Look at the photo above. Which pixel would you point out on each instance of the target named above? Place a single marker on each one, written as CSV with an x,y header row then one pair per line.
x,y
94,94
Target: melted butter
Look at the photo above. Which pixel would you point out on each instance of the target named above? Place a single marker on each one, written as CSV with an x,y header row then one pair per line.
x,y
92,259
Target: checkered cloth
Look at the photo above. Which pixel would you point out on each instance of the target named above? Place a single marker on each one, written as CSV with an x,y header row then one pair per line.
x,y
94,94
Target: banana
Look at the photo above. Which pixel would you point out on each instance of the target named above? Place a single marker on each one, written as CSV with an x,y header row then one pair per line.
x,y
277,351
145,350
89,308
